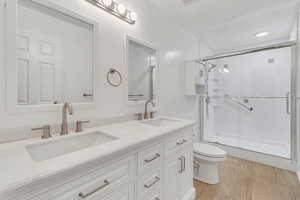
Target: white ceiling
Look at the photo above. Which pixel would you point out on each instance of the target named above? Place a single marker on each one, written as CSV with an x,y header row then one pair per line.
x,y
232,24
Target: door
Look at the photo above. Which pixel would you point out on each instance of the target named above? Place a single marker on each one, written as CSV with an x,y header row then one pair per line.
x,y
39,72
186,172
179,174
250,107
172,186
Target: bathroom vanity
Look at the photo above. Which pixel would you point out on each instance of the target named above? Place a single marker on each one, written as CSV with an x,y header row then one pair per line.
x,y
133,160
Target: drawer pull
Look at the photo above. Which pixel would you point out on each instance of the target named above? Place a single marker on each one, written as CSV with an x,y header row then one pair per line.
x,y
157,155
181,142
181,164
153,183
82,195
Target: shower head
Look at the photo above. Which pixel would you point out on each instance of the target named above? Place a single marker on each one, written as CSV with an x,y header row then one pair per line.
x,y
152,62
212,67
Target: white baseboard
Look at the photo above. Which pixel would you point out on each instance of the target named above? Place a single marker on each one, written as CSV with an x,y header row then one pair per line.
x,y
270,160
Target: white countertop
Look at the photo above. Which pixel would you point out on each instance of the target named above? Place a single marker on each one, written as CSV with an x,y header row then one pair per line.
x,y
18,169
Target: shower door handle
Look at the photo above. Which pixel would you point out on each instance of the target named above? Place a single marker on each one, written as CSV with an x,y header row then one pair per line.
x,y
288,103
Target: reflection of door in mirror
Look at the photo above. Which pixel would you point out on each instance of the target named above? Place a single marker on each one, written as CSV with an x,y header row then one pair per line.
x,y
39,71
141,71
54,56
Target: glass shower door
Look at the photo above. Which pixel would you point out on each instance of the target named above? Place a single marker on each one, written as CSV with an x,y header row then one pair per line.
x,y
250,106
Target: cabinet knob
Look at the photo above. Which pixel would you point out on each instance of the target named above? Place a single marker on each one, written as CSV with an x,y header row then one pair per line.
x,y
181,142
156,179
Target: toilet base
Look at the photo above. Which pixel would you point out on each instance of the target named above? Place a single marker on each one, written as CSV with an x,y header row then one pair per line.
x,y
206,171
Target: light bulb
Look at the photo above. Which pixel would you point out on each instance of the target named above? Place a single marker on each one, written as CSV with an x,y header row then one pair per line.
x,y
226,70
107,3
121,9
133,16
262,34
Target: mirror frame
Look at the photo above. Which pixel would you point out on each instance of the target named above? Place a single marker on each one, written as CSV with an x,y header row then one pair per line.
x,y
129,38
11,28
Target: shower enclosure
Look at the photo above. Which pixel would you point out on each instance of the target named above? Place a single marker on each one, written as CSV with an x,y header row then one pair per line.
x,y
250,101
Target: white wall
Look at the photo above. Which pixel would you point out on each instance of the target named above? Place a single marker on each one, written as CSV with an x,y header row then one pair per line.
x,y
294,31
175,45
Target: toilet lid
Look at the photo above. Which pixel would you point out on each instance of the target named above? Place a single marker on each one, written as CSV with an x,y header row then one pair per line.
x,y
209,150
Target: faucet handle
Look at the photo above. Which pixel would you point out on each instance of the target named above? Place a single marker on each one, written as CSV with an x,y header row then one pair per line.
x,y
152,114
139,116
46,131
79,125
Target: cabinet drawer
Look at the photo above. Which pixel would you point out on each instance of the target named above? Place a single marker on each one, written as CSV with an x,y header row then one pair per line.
x,y
98,183
104,183
174,144
150,159
156,195
149,183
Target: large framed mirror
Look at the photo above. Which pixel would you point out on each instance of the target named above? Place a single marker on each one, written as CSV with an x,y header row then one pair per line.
x,y
54,55
142,64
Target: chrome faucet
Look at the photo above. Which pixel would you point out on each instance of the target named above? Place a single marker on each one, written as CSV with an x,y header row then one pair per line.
x,y
64,124
146,114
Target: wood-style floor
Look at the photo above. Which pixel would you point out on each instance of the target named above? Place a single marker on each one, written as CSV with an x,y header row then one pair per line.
x,y
246,180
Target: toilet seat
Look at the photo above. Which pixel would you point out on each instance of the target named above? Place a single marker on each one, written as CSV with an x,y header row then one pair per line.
x,y
208,150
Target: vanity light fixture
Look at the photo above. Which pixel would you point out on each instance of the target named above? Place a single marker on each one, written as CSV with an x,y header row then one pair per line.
x,y
107,3
116,9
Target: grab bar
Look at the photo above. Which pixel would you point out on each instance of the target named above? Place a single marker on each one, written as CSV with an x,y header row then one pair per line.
x,y
250,109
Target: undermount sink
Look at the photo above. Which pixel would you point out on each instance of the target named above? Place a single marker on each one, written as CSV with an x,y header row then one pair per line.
x,y
161,122
47,150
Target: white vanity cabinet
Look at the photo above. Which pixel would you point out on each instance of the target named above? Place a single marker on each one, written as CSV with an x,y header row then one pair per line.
x,y
161,170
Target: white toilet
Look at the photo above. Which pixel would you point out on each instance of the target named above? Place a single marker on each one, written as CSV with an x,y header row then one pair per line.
x,y
206,160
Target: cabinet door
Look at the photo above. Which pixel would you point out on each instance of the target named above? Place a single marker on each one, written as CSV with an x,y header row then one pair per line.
x,y
171,184
186,173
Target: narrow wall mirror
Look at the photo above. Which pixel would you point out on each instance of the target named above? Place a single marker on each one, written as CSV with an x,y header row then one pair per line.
x,y
142,68
54,54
